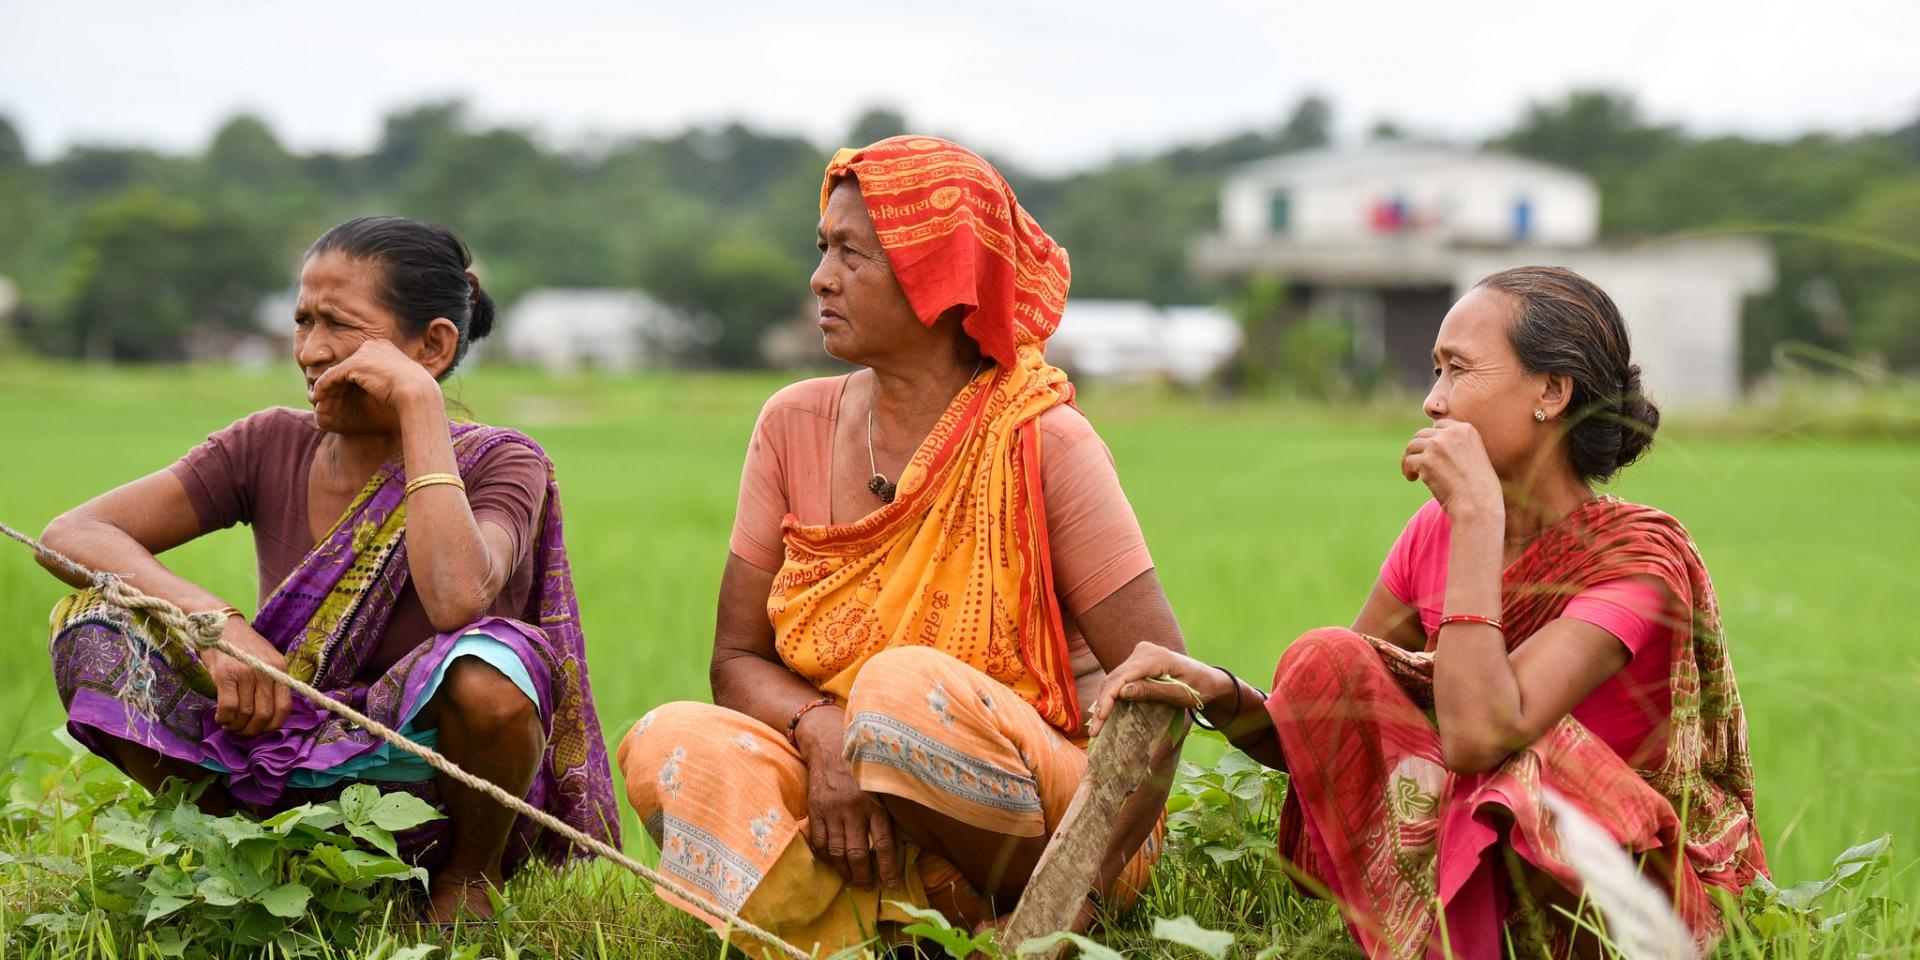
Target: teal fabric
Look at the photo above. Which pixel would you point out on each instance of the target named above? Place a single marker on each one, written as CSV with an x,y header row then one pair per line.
x,y
384,763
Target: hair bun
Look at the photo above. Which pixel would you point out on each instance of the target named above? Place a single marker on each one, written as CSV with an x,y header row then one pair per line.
x,y
1639,419
482,322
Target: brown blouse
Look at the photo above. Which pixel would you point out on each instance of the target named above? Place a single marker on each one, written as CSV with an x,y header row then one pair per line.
x,y
256,471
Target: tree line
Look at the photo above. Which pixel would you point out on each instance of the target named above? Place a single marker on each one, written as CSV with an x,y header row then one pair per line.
x,y
127,253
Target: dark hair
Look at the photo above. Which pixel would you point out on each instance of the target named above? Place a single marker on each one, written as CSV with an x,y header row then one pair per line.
x,y
424,274
1569,326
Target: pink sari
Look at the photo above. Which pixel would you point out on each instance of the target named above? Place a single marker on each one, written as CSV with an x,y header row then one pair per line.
x,y
1403,843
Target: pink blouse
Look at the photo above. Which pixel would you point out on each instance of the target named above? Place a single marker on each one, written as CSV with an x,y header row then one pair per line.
x,y
1629,710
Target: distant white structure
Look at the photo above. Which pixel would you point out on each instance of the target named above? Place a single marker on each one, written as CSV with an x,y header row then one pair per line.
x,y
1422,194
9,298
1135,340
1389,235
565,330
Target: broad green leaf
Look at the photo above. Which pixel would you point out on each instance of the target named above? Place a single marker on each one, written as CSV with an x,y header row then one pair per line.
x,y
60,866
170,943
1803,896
288,900
375,837
218,892
237,829
1246,787
399,811
1178,802
1091,949
366,864
1184,931
418,951
161,906
168,880
336,863
357,801
1235,761
1219,854
116,829
934,926
1875,849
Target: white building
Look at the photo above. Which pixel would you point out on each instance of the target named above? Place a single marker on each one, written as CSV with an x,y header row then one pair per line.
x,y
1135,340
1389,235
569,329
1422,194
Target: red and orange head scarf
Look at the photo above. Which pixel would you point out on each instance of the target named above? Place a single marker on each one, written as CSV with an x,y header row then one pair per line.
x,y
957,237
959,561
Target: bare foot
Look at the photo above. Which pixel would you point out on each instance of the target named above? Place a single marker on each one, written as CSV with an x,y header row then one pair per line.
x,y
450,895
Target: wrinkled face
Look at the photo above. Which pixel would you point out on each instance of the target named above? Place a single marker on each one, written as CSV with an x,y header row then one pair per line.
x,y
864,314
338,310
1479,380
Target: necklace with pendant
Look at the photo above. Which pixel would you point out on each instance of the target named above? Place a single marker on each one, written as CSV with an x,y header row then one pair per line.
x,y
878,484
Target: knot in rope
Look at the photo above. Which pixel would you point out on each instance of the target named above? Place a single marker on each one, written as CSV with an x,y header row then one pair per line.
x,y
201,630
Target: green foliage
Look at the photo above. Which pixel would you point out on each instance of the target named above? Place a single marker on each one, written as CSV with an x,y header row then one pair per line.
x,y
149,270
1224,817
1769,912
200,885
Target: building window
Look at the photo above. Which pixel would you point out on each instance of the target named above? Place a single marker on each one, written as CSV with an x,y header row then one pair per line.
x,y
1522,219
1279,211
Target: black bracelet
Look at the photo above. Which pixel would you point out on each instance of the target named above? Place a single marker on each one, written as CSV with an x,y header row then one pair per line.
x,y
1199,716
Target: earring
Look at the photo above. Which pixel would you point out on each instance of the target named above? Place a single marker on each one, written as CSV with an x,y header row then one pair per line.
x,y
1540,415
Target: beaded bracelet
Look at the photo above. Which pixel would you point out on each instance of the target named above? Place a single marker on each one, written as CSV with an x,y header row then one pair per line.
x,y
793,722
1493,622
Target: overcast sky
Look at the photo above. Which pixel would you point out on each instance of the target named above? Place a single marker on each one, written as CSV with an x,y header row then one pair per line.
x,y
1054,85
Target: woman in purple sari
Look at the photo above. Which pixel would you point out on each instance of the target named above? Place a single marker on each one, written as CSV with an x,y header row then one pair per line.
x,y
409,566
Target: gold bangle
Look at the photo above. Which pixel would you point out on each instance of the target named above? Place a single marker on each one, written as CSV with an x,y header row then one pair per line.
x,y
430,479
232,612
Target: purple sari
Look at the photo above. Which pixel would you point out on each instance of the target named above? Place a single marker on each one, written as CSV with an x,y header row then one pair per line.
x,y
327,618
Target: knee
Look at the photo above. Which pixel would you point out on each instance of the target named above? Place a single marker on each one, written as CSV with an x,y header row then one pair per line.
x,y
680,722
1327,647
486,702
85,651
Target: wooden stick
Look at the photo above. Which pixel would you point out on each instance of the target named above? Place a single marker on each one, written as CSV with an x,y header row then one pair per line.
x,y
1117,765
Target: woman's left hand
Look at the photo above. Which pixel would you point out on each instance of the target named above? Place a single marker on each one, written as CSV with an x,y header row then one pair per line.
x,y
1450,459
387,376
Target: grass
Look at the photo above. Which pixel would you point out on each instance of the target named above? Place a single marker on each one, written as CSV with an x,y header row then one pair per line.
x,y
1265,520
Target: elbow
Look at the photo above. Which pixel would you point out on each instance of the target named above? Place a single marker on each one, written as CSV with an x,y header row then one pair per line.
x,y
62,535
1478,751
452,610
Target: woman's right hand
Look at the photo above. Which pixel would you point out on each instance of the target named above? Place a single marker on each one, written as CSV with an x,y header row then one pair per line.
x,y
845,827
248,703
1132,681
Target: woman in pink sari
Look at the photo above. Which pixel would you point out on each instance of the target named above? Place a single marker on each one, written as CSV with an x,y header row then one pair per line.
x,y
1525,635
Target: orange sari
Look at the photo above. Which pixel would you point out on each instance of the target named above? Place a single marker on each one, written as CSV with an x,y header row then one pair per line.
x,y
959,561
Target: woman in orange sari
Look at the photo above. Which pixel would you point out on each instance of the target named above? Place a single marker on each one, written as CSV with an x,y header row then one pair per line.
x,y
931,566
1525,636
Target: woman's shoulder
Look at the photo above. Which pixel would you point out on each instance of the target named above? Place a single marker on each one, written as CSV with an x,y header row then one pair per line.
x,y
493,447
815,396
1064,423
269,429
281,420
